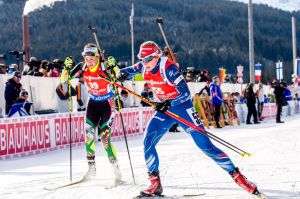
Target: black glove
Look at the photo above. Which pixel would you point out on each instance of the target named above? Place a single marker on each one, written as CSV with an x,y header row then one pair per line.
x,y
162,106
122,77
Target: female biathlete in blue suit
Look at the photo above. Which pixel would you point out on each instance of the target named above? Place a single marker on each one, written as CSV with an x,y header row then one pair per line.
x,y
163,77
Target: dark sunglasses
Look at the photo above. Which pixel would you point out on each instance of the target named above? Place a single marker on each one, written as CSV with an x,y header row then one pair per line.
x,y
90,54
147,59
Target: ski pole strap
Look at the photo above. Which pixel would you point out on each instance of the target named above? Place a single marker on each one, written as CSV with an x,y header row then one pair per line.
x,y
180,119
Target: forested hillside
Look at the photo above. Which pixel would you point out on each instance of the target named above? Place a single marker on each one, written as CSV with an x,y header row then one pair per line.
x,y
204,33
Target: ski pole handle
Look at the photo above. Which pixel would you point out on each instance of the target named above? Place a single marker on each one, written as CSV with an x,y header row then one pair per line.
x,y
159,22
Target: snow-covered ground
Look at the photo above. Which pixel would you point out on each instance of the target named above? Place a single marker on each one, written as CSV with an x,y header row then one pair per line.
x,y
274,166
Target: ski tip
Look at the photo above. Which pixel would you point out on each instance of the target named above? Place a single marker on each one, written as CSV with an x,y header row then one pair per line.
x,y
260,195
246,154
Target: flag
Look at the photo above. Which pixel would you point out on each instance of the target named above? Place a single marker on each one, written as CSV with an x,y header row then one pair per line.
x,y
240,74
279,72
131,18
19,109
222,73
258,68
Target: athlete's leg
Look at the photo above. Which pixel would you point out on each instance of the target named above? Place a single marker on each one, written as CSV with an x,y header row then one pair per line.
x,y
106,122
187,111
92,120
105,133
156,128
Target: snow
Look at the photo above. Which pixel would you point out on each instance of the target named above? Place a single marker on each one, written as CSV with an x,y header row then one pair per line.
x,y
32,5
288,5
274,166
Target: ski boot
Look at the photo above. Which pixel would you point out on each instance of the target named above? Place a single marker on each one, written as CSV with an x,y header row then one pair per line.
x,y
91,173
155,188
242,181
117,172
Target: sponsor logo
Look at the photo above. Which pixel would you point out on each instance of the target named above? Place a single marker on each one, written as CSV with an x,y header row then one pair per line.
x,y
173,73
90,78
160,119
154,82
189,130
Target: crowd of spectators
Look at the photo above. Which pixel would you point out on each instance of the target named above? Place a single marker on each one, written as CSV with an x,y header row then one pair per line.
x,y
35,67
254,99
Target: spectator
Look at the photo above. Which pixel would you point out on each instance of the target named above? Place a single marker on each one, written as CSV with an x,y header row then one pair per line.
x,y
168,54
56,68
1,116
297,97
287,93
34,65
124,99
12,90
280,99
205,89
188,77
81,90
44,68
26,69
251,104
216,98
146,93
12,68
3,69
203,76
23,97
260,102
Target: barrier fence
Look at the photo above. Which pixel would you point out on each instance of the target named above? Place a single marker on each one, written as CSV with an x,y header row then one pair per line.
x,y
25,136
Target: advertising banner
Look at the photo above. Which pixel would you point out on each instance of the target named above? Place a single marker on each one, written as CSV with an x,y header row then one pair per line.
x,y
29,135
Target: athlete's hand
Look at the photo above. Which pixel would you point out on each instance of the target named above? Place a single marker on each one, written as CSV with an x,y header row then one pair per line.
x,y
111,62
68,62
162,106
121,77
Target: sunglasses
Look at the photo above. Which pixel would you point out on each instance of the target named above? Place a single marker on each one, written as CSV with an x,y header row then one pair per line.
x,y
147,59
90,54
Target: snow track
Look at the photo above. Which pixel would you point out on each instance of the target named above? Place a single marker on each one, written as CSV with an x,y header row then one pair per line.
x,y
274,166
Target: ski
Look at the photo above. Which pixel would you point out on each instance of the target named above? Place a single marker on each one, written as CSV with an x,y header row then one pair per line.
x,y
259,195
119,183
65,185
169,196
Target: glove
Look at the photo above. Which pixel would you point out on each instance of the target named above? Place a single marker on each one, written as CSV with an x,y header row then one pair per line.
x,y
121,77
162,106
68,62
111,62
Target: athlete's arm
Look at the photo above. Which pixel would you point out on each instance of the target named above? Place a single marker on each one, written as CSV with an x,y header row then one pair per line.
x,y
132,70
174,76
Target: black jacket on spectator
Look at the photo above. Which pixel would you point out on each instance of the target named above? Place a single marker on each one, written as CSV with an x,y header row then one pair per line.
x,y
279,94
12,92
148,95
203,78
251,98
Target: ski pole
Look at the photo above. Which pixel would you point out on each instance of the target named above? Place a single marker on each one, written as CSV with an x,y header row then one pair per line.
x,y
159,22
180,119
70,118
94,31
122,121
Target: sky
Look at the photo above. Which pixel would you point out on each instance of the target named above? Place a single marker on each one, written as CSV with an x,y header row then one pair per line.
x,y
274,166
288,5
